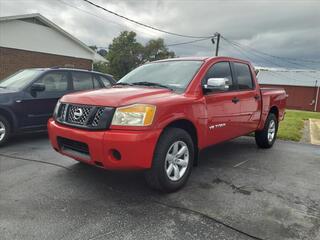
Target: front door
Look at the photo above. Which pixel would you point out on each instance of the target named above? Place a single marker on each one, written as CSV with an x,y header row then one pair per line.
x,y
223,107
39,106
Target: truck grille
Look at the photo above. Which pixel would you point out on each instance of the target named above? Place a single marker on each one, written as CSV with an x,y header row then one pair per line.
x,y
78,114
97,117
85,116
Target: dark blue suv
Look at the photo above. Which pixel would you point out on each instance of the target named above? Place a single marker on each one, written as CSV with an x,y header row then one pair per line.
x,y
28,97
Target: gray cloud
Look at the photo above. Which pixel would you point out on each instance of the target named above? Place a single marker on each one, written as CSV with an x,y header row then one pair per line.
x,y
284,28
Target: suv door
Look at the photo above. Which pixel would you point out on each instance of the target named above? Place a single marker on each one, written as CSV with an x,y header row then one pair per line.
x,y
249,97
223,108
39,106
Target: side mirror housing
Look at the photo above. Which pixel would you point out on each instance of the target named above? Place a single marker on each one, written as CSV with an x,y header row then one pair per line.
x,y
38,87
219,84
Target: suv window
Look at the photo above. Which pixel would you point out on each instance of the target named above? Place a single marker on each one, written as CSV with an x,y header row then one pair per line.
x,y
83,81
55,81
243,74
106,82
221,70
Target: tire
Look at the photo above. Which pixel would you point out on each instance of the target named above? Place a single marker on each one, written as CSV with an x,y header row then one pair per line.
x,y
265,138
4,130
171,142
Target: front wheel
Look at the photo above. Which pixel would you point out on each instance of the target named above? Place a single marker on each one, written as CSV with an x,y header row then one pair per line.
x,y
4,130
172,162
266,137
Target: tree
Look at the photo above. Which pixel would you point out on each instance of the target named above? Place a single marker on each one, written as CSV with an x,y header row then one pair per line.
x,y
124,54
155,49
101,67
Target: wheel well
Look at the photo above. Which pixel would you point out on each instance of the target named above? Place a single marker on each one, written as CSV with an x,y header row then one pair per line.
x,y
275,111
8,116
189,127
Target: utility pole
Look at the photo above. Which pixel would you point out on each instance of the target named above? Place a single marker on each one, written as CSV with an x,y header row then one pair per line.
x,y
218,42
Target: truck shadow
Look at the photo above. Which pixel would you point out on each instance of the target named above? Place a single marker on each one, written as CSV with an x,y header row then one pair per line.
x,y
224,155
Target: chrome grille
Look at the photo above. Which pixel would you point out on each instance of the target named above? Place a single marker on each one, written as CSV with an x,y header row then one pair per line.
x,y
85,116
78,114
97,117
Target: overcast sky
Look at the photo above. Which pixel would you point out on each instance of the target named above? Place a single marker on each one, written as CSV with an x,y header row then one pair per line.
x,y
288,28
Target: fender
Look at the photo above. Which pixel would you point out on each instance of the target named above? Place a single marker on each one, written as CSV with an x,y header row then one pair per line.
x,y
13,119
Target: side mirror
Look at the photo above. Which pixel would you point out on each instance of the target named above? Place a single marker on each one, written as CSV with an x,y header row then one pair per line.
x,y
217,84
38,87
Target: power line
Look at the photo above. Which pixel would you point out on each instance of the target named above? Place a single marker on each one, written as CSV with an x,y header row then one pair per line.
x,y
188,42
143,24
275,73
289,60
262,57
101,18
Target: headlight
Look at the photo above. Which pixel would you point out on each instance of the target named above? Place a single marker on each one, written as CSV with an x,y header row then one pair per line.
x,y
134,115
56,109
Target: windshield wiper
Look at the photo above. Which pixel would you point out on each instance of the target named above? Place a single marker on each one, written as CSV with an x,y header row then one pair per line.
x,y
2,87
123,83
152,84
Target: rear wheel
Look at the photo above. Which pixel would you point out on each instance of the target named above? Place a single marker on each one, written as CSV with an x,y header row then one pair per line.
x,y
4,130
266,137
172,162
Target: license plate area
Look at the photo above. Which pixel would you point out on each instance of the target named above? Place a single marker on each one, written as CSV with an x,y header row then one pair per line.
x,y
74,148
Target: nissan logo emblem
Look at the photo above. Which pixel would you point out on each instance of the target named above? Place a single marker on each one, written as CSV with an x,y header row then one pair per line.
x,y
78,113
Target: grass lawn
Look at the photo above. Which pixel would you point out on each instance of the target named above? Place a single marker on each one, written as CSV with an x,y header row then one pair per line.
x,y
292,126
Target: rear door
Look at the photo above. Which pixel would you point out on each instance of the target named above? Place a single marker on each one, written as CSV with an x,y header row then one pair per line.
x,y
84,81
105,80
39,106
249,97
223,107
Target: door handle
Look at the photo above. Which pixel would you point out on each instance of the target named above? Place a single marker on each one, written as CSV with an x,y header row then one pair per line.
x,y
257,97
235,100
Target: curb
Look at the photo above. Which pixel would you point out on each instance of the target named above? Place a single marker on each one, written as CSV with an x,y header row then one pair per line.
x,y
314,127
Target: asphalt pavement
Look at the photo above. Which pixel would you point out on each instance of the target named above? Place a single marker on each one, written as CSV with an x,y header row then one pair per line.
x,y
237,192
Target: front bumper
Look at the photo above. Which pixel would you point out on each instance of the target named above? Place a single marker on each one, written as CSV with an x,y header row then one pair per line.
x,y
135,147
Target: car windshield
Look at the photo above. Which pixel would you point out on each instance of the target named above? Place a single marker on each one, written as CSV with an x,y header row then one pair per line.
x,y
174,75
20,79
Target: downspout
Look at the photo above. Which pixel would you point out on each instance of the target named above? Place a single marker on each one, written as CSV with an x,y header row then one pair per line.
x,y
317,96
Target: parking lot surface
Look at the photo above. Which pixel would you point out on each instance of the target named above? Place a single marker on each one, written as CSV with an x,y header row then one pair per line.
x,y
237,192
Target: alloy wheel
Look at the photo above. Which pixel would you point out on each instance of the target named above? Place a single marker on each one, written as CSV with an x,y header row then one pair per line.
x,y
2,131
177,160
271,130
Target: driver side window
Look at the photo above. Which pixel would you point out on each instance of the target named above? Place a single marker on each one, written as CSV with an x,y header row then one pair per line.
x,y
220,70
55,81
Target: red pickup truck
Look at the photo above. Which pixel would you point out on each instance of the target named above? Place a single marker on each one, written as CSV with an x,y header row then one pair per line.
x,y
160,115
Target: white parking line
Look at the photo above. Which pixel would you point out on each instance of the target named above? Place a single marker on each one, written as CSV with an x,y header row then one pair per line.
x,y
239,164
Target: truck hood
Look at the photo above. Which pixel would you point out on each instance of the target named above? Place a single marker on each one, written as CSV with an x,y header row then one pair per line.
x,y
118,96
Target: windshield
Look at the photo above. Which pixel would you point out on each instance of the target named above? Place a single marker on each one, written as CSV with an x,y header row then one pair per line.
x,y
20,79
175,75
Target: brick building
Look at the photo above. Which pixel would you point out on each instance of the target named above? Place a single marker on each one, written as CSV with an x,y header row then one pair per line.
x,y
30,41
302,86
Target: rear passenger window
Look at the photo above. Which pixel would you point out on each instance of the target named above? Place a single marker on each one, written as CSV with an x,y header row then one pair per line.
x,y
243,74
106,82
221,70
82,81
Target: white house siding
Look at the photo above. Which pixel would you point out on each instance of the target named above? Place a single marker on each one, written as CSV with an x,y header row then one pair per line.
x,y
24,35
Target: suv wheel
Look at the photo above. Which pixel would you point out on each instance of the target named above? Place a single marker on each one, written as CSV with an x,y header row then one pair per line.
x,y
4,130
266,137
172,162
